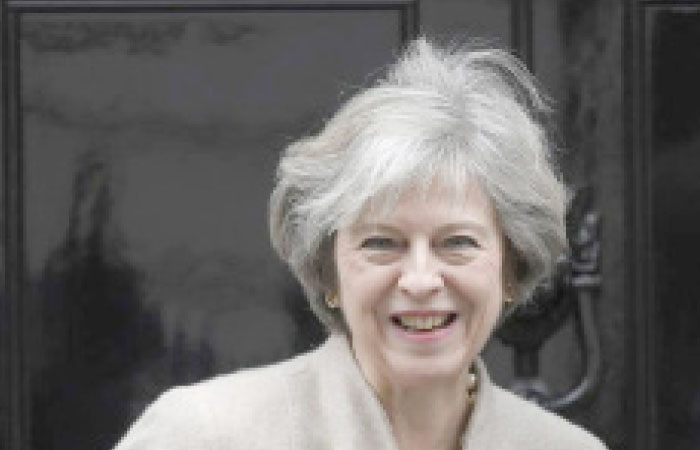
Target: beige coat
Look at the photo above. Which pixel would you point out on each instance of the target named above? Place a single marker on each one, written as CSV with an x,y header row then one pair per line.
x,y
321,401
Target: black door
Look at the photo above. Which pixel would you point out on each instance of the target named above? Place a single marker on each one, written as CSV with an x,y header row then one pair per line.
x,y
140,140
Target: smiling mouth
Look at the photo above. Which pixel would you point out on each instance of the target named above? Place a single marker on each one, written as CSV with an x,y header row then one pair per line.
x,y
423,323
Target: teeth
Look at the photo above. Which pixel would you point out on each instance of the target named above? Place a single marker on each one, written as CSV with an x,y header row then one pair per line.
x,y
423,322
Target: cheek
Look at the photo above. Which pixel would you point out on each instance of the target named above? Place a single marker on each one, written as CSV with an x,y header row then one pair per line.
x,y
362,284
481,283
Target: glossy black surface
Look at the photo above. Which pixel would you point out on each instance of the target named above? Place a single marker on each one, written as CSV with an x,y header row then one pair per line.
x,y
150,142
675,165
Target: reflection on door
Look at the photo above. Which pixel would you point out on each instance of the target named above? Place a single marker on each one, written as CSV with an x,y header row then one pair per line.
x,y
150,142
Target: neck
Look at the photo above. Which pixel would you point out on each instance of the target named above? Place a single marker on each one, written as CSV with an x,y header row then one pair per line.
x,y
432,415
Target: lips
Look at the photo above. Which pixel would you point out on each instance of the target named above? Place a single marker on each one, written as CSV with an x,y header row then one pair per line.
x,y
424,321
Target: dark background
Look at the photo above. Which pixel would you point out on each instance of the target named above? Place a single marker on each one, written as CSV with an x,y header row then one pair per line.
x,y
139,141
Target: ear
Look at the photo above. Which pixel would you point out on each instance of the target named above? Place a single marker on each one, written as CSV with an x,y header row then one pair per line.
x,y
509,271
327,272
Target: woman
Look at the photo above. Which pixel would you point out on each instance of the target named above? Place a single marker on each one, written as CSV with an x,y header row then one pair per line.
x,y
426,207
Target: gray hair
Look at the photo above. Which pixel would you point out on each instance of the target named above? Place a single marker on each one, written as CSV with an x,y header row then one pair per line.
x,y
461,114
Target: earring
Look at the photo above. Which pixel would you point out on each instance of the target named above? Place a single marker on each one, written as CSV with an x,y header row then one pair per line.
x,y
508,300
331,301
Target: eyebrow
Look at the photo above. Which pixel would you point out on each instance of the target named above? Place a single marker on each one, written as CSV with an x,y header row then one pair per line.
x,y
446,228
372,226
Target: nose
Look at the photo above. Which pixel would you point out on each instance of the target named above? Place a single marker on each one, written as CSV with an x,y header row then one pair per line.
x,y
420,276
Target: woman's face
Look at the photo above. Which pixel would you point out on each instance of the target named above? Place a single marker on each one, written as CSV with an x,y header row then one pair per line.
x,y
421,287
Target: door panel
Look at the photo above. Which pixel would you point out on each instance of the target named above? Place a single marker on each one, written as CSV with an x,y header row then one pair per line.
x,y
149,147
665,157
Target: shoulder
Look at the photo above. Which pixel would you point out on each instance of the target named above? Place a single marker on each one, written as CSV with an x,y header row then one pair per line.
x,y
241,394
533,427
171,422
220,412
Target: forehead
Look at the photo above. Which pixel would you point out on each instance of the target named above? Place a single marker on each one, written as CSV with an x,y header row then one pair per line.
x,y
437,204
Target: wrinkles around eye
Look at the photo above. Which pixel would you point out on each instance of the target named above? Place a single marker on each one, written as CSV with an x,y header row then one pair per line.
x,y
380,243
459,242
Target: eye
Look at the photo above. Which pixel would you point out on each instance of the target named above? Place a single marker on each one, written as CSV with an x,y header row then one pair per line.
x,y
459,241
380,243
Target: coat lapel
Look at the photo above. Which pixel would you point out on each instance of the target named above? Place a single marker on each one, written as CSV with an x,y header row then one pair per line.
x,y
349,414
339,404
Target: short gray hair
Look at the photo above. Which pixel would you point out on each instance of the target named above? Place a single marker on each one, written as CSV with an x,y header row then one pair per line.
x,y
461,113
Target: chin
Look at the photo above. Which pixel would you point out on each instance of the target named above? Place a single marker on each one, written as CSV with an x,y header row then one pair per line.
x,y
411,370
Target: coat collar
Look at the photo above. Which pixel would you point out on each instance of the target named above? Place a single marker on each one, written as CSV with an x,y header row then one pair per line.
x,y
344,382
